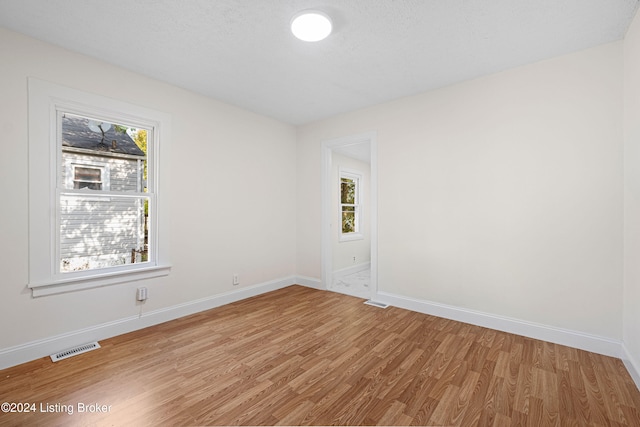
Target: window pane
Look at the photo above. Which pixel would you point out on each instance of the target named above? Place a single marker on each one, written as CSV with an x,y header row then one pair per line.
x,y
347,191
348,221
97,231
120,152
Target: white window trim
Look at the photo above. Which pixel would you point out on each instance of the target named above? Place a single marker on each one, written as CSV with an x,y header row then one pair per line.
x,y
355,175
45,99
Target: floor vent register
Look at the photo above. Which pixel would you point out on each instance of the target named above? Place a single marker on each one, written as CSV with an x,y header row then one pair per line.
x,y
376,304
75,351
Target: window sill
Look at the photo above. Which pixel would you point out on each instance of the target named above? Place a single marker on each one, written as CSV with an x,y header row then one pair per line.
x,y
54,287
351,237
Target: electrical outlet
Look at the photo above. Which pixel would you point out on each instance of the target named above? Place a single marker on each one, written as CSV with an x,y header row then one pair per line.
x,y
354,260
236,279
141,294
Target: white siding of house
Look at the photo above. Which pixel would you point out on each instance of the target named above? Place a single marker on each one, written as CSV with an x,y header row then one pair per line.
x,y
100,231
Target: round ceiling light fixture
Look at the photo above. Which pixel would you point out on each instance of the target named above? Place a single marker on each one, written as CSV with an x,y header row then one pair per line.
x,y
311,25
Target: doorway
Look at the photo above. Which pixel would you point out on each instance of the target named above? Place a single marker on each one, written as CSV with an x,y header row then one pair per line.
x,y
349,227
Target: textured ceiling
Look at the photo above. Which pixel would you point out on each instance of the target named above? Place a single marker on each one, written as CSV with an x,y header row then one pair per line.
x,y
243,53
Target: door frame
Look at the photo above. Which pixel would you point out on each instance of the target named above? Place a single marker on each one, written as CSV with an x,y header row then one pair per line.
x,y
327,214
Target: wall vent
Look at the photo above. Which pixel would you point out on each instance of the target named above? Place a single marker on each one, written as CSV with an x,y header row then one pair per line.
x,y
376,304
74,351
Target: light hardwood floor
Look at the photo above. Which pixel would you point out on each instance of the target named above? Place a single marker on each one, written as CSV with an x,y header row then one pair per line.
x,y
300,356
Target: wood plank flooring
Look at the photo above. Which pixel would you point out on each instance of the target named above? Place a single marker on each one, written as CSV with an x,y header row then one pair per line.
x,y
300,356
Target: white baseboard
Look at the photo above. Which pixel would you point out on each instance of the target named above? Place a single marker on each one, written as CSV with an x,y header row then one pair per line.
x,y
310,282
552,334
36,349
632,365
351,270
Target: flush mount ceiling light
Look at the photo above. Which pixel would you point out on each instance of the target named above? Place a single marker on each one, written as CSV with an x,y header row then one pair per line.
x,y
311,25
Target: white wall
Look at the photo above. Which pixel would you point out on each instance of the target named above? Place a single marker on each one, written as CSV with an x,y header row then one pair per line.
x,y
501,195
632,197
232,196
345,251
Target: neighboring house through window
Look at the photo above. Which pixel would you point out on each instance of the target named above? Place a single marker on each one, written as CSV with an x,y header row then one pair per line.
x,y
104,226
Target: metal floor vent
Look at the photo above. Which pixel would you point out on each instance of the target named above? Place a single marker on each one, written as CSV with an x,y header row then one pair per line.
x,y
376,304
75,351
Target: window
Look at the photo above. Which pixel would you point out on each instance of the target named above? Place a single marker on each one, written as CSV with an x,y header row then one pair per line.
x,y
97,228
85,177
95,170
91,173
350,207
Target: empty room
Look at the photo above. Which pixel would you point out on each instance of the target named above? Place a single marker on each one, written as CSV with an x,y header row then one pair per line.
x,y
297,212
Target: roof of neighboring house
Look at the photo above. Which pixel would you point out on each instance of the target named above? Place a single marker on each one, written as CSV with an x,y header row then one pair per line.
x,y
77,134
